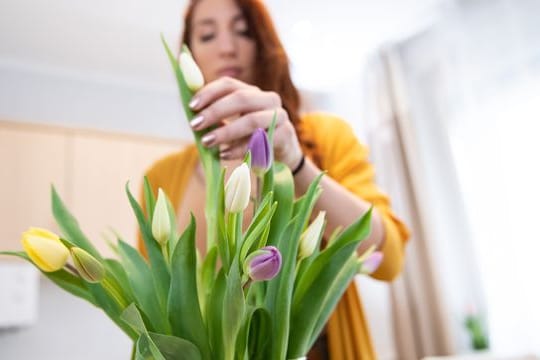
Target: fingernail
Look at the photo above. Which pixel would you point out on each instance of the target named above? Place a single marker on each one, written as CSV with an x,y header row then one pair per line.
x,y
207,139
197,120
224,155
194,102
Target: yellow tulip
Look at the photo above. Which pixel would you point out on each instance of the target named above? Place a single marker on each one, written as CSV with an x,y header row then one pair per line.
x,y
45,249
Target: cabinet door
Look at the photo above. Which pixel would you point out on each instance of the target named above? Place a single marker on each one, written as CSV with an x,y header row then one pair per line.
x,y
30,162
100,168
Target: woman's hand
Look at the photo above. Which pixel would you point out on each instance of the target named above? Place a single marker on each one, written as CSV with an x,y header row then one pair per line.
x,y
250,108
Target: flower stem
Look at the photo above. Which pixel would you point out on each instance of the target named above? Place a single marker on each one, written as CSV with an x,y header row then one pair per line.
x,y
165,252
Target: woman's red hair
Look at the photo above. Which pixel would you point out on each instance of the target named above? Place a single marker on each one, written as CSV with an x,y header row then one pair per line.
x,y
272,70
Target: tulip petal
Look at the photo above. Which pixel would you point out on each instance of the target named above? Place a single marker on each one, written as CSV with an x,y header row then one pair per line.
x,y
45,249
161,223
261,154
371,263
89,267
192,74
238,189
310,238
263,264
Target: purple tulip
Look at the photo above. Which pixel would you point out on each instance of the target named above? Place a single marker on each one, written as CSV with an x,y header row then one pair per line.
x,y
372,262
263,264
261,153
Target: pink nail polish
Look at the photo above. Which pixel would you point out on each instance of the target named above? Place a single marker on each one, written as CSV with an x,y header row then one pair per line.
x,y
197,120
194,102
224,155
208,139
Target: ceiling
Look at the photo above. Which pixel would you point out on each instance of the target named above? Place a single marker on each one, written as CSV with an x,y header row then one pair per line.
x,y
118,40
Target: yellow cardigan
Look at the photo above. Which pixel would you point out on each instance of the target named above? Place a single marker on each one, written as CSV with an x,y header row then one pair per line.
x,y
336,150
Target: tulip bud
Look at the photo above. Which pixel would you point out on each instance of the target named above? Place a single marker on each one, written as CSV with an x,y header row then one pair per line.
x,y
88,266
45,249
161,222
310,237
192,74
261,153
371,263
238,189
263,264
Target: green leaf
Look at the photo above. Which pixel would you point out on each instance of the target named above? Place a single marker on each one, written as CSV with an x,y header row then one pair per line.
x,y
233,310
223,238
175,348
133,318
70,227
160,272
260,335
147,350
207,276
353,235
185,93
116,270
333,295
214,314
268,178
183,304
319,302
174,236
144,288
149,199
255,335
331,272
259,222
283,190
280,289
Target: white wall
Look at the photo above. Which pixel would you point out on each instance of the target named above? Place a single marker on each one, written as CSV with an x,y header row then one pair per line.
x,y
67,328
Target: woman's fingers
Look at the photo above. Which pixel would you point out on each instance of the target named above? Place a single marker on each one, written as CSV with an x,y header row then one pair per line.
x,y
241,101
286,145
215,90
244,126
235,151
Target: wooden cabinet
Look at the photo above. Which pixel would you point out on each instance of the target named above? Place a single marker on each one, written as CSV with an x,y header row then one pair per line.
x,y
88,168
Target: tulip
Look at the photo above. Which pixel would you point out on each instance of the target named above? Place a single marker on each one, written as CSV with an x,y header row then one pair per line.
x,y
261,153
263,264
89,268
192,74
238,189
161,222
45,249
310,237
371,263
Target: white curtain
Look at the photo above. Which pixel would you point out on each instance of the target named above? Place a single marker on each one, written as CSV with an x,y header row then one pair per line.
x,y
453,126
494,127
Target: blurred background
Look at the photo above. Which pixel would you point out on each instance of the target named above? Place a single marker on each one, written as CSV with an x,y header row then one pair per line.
x,y
445,92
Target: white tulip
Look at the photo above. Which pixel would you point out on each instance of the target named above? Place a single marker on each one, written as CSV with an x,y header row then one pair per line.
x,y
238,189
161,223
192,74
310,237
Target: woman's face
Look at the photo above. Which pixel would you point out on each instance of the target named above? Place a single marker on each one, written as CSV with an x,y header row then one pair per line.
x,y
221,42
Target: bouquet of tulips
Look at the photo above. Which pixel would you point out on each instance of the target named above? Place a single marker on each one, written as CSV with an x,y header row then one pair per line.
x,y
262,293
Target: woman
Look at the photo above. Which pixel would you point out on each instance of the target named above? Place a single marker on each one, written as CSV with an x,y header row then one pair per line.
x,y
247,79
